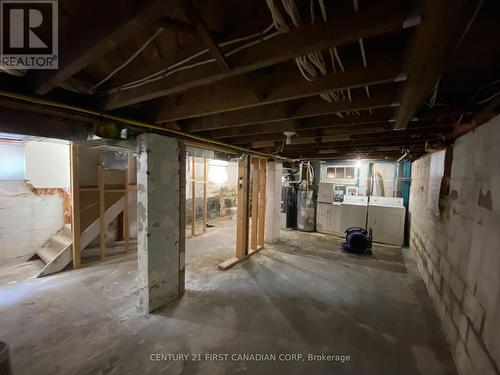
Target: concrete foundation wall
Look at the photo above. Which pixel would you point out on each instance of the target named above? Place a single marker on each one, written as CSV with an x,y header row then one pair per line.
x,y
27,219
458,247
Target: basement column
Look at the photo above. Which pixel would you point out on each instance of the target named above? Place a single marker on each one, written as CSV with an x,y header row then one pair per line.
x,y
273,202
159,215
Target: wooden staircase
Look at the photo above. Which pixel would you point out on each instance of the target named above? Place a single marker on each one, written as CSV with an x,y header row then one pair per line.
x,y
57,252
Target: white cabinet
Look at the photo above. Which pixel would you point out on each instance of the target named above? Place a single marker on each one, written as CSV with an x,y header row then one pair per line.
x,y
325,192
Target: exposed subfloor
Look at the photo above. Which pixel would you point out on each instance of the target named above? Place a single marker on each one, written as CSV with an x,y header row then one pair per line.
x,y
301,295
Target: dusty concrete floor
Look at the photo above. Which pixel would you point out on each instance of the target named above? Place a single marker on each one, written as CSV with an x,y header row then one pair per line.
x,y
301,295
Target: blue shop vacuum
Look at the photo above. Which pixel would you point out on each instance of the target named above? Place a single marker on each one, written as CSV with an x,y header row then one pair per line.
x,y
357,241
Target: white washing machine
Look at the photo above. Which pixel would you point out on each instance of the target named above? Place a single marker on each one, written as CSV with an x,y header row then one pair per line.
x,y
328,218
386,219
353,212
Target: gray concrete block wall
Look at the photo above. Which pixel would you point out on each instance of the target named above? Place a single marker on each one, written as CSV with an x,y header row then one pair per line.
x,y
458,250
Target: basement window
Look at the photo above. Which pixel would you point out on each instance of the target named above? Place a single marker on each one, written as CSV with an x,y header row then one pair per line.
x,y
341,173
12,162
217,172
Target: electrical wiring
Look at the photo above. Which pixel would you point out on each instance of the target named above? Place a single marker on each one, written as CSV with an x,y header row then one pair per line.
x,y
128,61
433,98
476,94
309,65
180,65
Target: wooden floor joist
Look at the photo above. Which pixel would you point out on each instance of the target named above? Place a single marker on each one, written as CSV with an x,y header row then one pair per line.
x,y
435,37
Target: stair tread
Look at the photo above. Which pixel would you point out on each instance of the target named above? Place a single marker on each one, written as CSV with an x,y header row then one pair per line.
x,y
60,237
47,253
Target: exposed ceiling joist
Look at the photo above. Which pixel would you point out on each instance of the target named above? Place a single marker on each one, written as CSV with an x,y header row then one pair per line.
x,y
288,111
374,20
361,130
232,94
359,134
177,25
279,127
434,38
205,35
96,32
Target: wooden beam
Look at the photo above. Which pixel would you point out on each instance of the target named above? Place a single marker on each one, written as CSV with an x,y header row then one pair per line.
x,y
284,112
255,199
434,39
126,228
379,125
102,205
193,195
328,122
97,31
205,187
177,25
205,35
242,210
262,202
232,94
75,206
377,18
341,133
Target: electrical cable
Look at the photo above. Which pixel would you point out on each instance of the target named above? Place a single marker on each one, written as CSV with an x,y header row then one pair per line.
x,y
128,61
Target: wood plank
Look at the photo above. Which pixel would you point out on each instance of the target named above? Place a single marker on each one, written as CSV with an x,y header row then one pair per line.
x,y
102,206
114,22
373,20
126,228
262,202
205,185
255,202
235,260
193,195
311,107
177,25
242,209
182,216
434,39
233,94
75,206
205,35
331,122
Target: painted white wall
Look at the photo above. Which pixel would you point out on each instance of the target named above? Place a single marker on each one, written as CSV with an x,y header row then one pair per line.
x,y
27,220
47,164
457,250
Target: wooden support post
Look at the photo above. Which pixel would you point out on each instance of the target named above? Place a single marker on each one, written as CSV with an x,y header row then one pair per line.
x,y
255,202
193,196
75,206
126,228
262,202
242,213
205,187
102,208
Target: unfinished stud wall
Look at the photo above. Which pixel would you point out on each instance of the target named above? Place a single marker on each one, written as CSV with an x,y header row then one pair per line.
x,y
458,250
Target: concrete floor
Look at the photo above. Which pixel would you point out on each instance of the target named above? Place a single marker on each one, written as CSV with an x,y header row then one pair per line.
x,y
302,296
